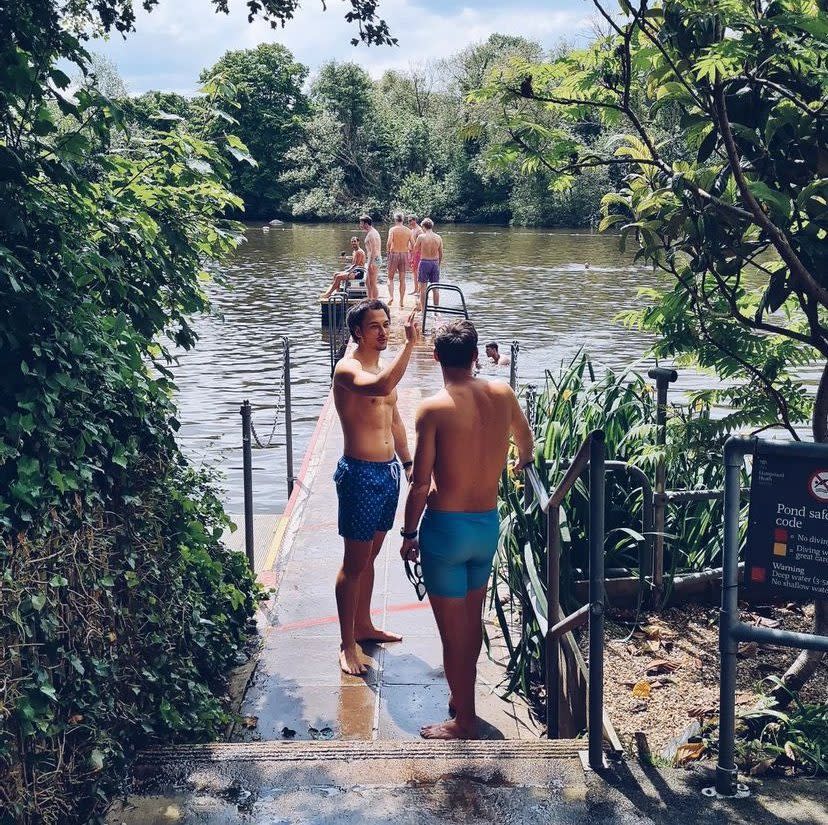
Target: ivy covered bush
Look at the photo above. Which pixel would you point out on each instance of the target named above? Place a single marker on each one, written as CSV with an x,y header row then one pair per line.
x,y
120,609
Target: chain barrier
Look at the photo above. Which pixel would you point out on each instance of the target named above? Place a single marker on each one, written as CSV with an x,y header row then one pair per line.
x,y
268,444
531,404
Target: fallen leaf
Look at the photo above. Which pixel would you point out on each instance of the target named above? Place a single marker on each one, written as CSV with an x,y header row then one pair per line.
x,y
748,650
764,621
661,666
642,689
652,631
326,733
761,768
288,733
314,733
651,647
700,712
790,752
250,721
688,752
744,698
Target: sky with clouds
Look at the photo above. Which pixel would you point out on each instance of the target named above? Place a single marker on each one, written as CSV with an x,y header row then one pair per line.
x,y
179,38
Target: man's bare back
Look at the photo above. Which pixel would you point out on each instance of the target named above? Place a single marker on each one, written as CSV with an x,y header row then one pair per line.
x,y
471,423
430,246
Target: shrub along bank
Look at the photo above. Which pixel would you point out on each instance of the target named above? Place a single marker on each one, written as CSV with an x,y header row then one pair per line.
x,y
120,609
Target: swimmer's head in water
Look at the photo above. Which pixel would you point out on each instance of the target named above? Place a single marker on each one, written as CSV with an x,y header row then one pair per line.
x,y
369,323
492,350
455,344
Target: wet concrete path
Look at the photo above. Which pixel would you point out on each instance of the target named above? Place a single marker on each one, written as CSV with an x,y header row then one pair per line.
x,y
298,685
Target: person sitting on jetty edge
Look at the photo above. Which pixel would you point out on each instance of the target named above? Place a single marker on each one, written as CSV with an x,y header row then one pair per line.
x,y
357,262
462,444
367,476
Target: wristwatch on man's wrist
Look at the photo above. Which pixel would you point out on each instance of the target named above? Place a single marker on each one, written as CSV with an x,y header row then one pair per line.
x,y
411,535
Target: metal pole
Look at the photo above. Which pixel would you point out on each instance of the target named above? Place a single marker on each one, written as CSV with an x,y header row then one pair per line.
x,y
663,378
288,416
247,460
726,771
595,699
553,598
513,365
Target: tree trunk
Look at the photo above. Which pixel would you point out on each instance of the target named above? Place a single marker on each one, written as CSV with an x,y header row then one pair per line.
x,y
808,661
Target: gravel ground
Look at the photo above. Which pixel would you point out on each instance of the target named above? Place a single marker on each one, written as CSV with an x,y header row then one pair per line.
x,y
665,676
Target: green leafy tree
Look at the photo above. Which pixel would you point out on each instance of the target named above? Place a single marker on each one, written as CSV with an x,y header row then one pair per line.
x,y
271,105
121,610
740,220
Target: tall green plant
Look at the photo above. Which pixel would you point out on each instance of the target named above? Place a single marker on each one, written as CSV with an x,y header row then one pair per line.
x,y
572,403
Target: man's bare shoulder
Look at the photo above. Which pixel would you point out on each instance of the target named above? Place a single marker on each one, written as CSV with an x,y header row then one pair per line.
x,y
433,405
347,365
500,390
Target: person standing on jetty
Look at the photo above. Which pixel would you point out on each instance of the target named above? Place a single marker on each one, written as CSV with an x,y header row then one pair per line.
x,y
462,444
397,255
367,476
429,247
413,257
373,253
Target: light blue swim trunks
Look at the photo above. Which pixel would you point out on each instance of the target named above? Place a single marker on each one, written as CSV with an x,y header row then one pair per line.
x,y
456,550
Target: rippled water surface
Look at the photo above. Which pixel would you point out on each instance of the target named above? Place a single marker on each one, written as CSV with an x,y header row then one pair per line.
x,y
553,291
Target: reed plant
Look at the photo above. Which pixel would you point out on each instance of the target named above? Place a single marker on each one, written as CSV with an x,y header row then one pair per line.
x,y
569,405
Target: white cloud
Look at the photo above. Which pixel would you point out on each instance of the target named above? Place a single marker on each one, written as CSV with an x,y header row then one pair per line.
x,y
179,38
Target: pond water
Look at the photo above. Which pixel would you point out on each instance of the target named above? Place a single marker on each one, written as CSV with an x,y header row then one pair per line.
x,y
555,292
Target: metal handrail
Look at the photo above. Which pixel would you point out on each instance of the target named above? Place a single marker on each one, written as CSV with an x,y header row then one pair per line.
x,y
464,312
590,454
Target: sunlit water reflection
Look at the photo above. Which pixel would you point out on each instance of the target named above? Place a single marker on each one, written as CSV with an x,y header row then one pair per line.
x,y
553,291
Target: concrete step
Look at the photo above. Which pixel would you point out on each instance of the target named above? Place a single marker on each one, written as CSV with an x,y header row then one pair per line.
x,y
393,782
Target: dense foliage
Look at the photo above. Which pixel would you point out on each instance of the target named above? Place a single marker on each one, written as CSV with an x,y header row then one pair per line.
x,y
409,140
742,223
571,404
120,609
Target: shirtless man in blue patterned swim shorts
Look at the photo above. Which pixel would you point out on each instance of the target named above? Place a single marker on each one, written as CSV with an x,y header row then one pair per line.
x,y
462,442
368,474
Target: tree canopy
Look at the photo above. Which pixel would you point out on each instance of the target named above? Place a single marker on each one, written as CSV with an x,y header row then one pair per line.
x,y
722,112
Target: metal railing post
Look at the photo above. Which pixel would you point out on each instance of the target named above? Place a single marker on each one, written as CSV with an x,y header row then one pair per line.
x,y
663,378
513,365
247,461
595,698
553,598
726,772
288,416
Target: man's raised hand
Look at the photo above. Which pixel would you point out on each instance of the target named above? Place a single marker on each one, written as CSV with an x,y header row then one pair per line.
x,y
412,328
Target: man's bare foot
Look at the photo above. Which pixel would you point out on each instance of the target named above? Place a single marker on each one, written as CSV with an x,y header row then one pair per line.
x,y
374,634
390,302
350,662
450,729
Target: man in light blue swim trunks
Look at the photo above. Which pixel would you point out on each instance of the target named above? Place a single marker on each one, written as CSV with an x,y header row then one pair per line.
x,y
463,435
367,476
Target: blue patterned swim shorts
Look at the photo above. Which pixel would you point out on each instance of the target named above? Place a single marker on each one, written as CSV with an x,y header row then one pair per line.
x,y
368,492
